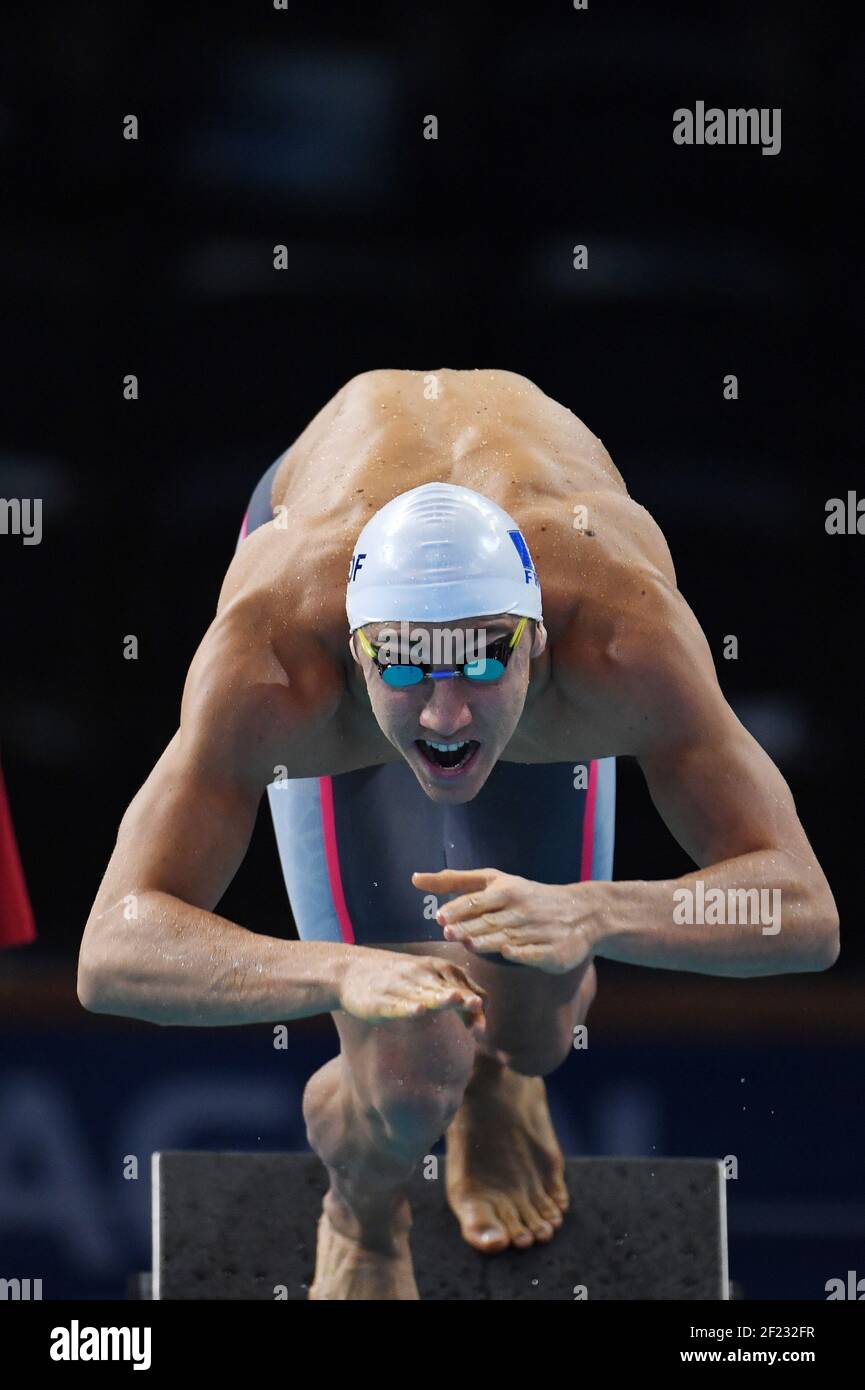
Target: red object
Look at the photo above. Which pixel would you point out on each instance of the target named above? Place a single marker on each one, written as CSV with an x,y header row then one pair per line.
x,y
17,927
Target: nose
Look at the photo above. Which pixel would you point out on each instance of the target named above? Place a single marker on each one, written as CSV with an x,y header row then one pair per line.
x,y
446,711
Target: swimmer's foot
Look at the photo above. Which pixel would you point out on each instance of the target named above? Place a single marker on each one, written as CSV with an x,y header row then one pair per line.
x,y
347,1269
505,1170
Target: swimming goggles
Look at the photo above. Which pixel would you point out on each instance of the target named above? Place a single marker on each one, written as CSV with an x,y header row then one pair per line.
x,y
485,669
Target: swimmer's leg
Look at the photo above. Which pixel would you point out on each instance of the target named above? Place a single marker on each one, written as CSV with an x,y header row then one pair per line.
x,y
371,1114
505,1168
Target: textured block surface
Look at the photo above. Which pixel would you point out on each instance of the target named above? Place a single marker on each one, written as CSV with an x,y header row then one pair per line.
x,y
237,1225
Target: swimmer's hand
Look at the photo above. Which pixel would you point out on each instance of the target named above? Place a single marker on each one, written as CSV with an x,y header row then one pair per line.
x,y
378,986
551,926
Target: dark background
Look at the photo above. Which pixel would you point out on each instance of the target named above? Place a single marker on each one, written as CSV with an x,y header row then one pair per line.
x,y
154,257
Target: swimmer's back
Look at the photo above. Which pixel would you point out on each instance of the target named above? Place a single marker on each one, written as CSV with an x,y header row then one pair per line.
x,y
381,435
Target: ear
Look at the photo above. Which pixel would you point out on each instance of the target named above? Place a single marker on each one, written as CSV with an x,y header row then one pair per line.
x,y
353,649
539,640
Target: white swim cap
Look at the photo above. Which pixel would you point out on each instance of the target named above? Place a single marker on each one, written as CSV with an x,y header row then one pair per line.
x,y
439,553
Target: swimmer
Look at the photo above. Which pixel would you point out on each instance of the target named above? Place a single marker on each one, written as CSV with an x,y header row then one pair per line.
x,y
444,817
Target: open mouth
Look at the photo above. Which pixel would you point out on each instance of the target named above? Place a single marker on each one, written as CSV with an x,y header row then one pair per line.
x,y
448,757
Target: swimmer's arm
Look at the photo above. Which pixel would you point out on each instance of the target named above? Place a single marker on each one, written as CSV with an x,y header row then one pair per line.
x,y
728,806
153,947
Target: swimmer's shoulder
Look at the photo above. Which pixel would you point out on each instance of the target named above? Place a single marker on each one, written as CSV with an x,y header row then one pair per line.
x,y
289,585
249,711
622,636
270,661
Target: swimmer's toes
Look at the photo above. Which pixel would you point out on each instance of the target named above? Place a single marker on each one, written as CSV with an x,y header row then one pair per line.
x,y
531,1217
548,1208
558,1191
517,1228
481,1226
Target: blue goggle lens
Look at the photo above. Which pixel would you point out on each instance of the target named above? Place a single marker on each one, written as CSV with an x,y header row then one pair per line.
x,y
489,670
401,676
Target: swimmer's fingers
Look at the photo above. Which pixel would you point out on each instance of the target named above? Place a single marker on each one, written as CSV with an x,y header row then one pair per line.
x,y
444,986
466,997
457,975
427,1000
474,906
555,953
488,931
564,920
396,986
541,955
488,937
470,1009
435,998
499,891
463,994
454,880
471,928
